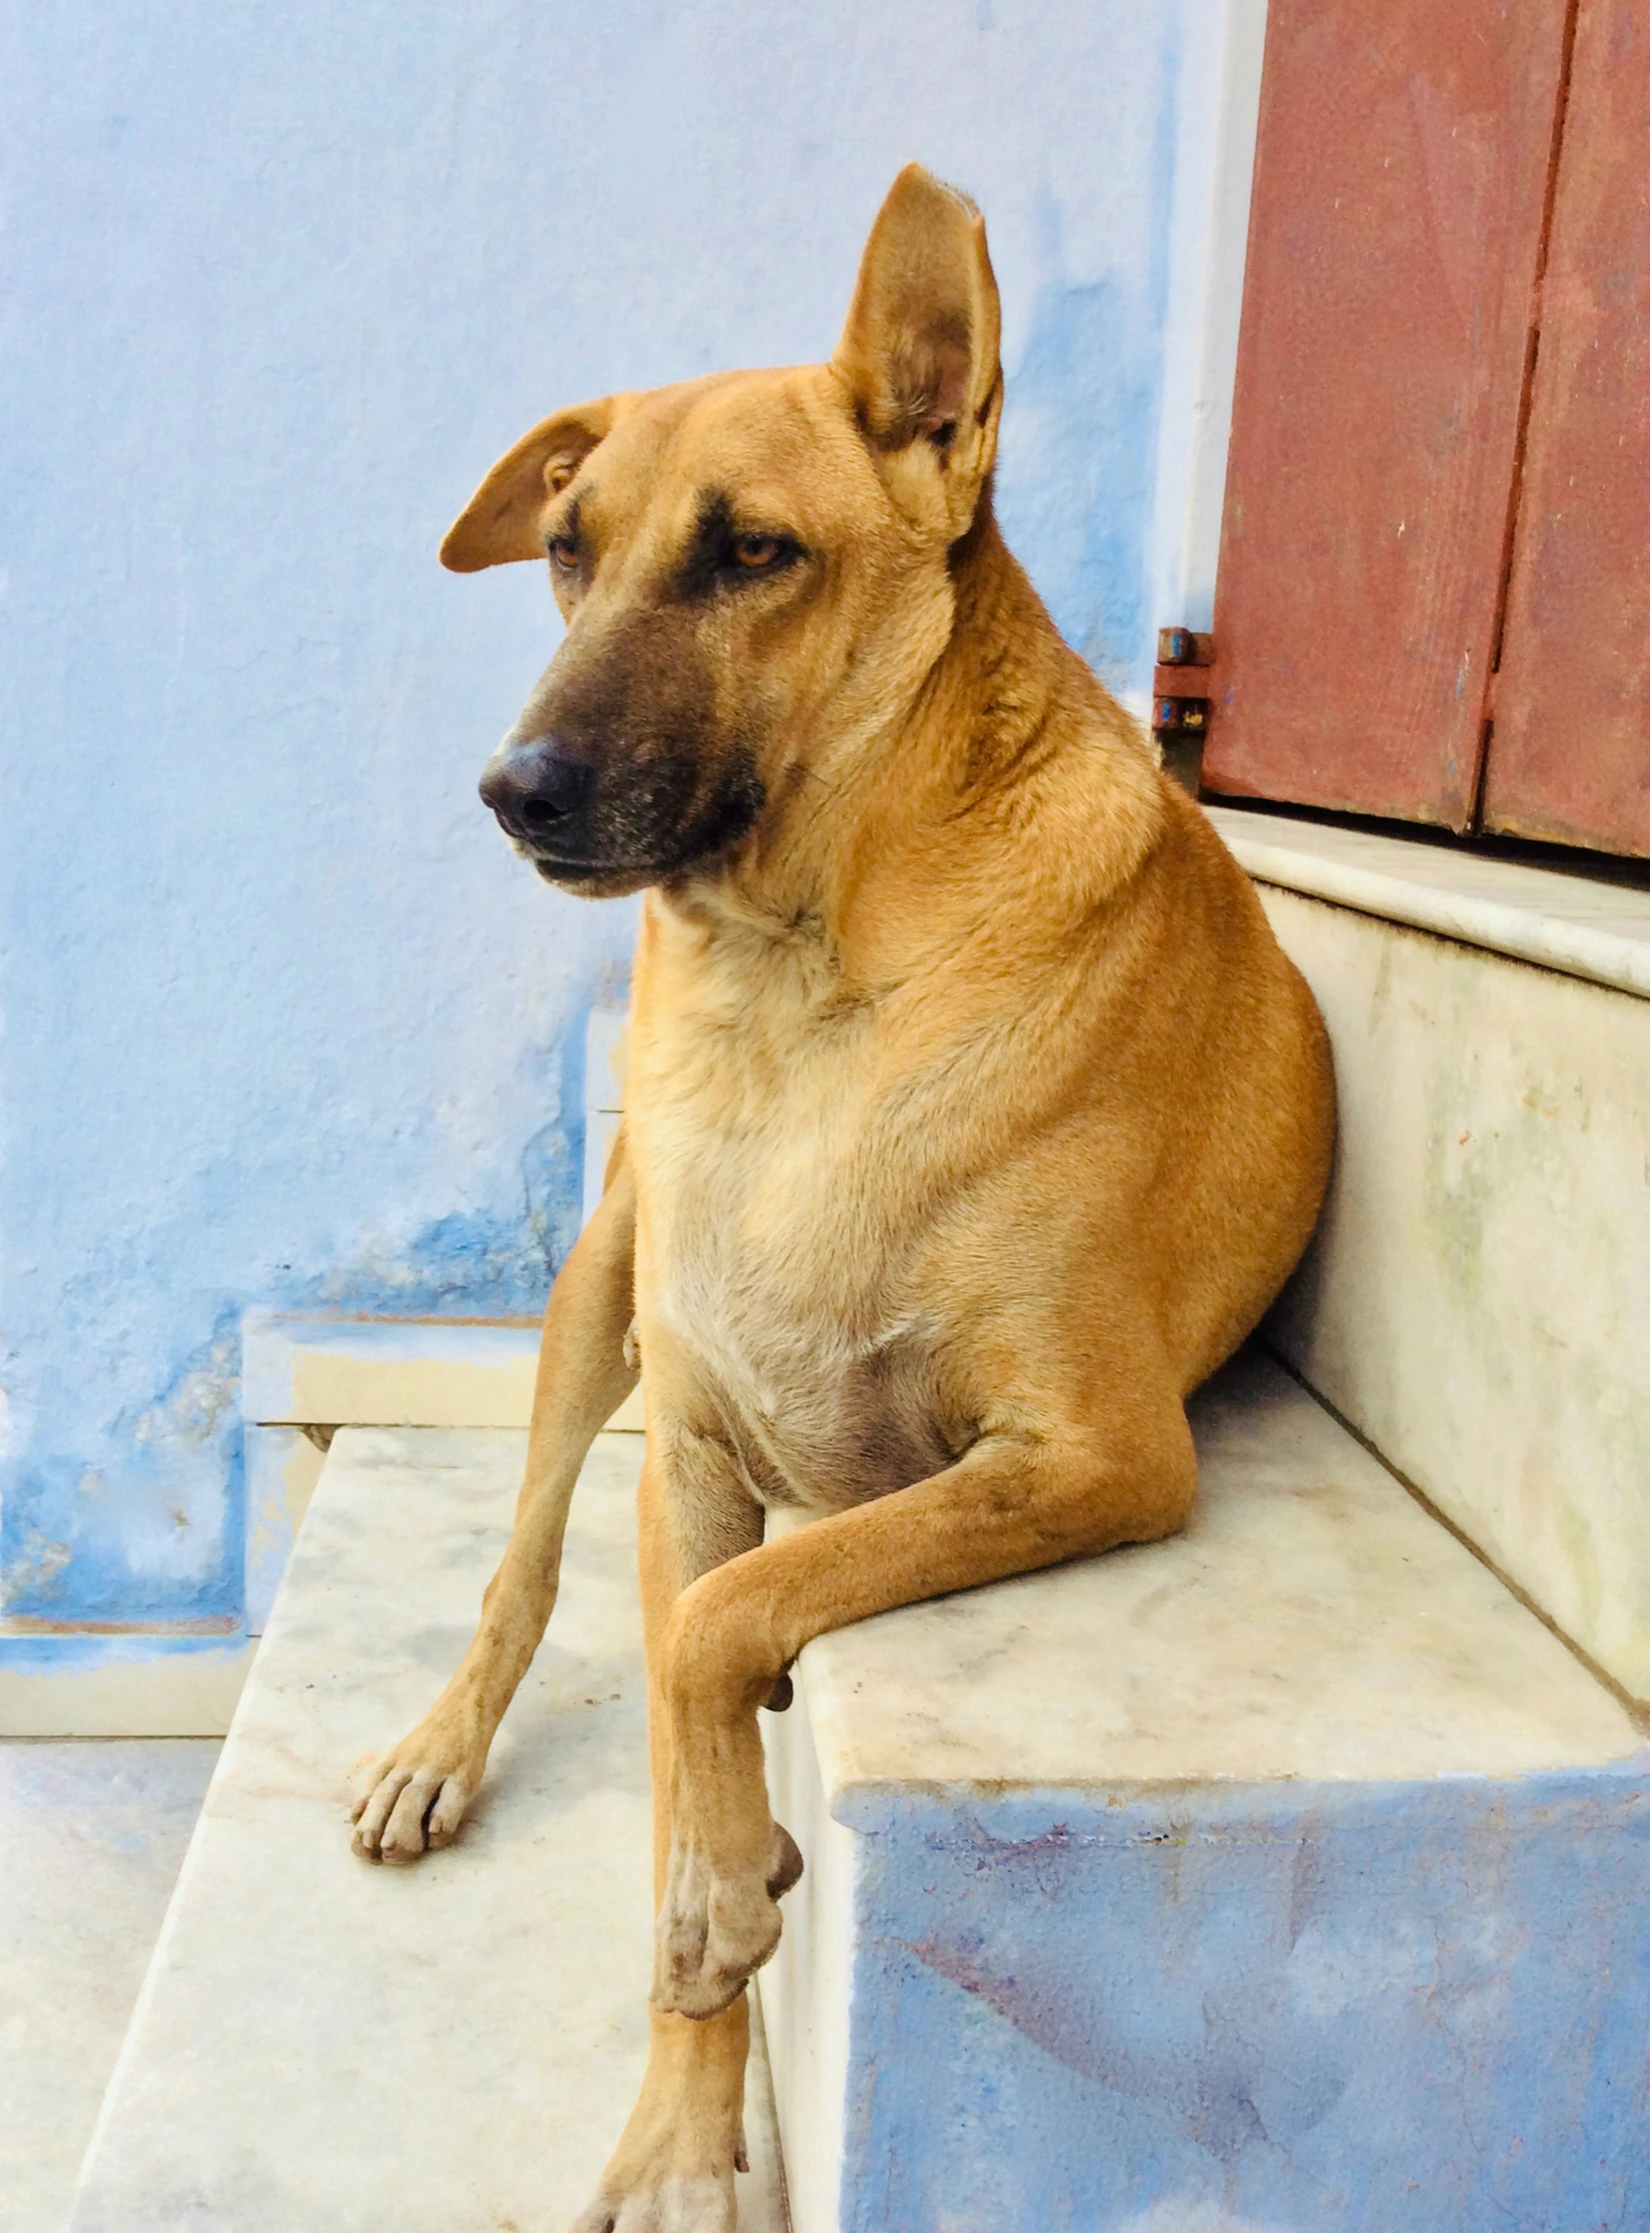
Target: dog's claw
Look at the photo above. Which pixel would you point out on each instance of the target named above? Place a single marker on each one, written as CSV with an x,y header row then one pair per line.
x,y
402,1809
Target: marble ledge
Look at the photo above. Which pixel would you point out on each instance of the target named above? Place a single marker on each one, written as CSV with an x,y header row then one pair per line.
x,y
1313,1624
80,1685
393,1372
369,1372
1262,1879
1585,927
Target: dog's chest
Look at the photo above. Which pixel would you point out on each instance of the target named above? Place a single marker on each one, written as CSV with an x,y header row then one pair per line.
x,y
775,1266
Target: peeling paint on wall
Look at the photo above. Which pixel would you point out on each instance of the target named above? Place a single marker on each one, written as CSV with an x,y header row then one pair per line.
x,y
284,1022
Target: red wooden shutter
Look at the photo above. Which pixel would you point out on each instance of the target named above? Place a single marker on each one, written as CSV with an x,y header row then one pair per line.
x,y
1570,750
1400,190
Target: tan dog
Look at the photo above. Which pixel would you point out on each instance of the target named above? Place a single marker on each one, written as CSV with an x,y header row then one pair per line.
x,y
974,1113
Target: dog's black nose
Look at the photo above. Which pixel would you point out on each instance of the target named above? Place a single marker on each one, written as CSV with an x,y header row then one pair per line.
x,y
536,787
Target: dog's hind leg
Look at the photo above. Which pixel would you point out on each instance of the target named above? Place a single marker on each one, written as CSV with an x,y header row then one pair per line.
x,y
414,1795
672,2171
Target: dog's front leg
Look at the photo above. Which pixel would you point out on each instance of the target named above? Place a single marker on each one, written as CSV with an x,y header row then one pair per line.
x,y
672,2171
1018,1500
415,1795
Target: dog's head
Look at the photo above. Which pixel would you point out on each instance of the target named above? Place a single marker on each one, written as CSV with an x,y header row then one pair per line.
x,y
754,568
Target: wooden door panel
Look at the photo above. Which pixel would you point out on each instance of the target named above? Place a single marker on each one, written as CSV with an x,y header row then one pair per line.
x,y
1400,191
1570,749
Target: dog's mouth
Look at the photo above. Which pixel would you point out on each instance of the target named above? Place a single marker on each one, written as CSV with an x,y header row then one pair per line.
x,y
601,879
613,879
574,871
706,838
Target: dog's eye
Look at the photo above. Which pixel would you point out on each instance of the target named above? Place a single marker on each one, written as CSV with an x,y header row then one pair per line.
x,y
756,551
564,553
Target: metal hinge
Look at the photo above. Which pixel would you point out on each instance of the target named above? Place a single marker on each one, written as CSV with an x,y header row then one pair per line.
x,y
1181,683
1182,702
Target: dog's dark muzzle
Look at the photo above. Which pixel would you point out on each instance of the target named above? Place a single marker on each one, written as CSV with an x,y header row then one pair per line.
x,y
614,829
541,794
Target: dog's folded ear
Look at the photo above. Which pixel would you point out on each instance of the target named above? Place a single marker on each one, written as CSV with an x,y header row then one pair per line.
x,y
504,520
919,353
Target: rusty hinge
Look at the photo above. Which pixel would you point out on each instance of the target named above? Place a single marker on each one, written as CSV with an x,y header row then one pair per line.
x,y
1181,683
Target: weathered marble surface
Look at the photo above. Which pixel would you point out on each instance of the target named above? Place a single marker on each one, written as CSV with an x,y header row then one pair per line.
x,y
389,1372
327,2047
1478,1300
283,1465
1313,1622
355,1372
147,1684
91,1837
1289,1877
1588,926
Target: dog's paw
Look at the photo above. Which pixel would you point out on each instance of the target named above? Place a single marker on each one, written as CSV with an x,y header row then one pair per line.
x,y
670,2204
412,1799
716,1926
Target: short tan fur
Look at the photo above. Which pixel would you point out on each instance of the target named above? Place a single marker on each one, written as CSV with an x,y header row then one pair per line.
x,y
974,1114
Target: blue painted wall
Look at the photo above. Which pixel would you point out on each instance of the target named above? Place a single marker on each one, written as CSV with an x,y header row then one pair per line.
x,y
283,1022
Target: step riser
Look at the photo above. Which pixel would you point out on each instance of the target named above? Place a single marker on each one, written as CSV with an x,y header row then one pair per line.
x,y
1422,2013
806,1989
132,1686
1286,1876
1477,1302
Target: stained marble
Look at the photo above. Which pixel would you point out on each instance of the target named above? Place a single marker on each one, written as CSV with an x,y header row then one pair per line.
x,y
1477,1301
91,1839
448,2048
1312,1622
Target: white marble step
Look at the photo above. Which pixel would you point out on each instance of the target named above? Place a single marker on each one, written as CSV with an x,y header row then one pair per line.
x,y
1287,1877
1268,1878
326,2047
91,1838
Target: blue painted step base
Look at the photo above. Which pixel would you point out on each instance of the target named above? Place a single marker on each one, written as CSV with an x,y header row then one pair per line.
x,y
1287,1878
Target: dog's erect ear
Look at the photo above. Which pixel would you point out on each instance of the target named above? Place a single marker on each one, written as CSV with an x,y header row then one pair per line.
x,y
504,518
919,351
